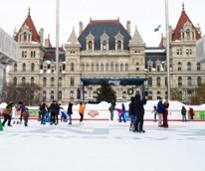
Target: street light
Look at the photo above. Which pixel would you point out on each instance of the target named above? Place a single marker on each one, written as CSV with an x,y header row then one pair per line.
x,y
167,49
57,49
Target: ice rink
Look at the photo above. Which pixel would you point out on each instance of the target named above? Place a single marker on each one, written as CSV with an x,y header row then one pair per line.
x,y
103,146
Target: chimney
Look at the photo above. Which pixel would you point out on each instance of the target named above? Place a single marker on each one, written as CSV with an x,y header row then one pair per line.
x,y
128,27
80,27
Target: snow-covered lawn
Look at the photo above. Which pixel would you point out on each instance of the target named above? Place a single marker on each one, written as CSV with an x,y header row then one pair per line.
x,y
103,146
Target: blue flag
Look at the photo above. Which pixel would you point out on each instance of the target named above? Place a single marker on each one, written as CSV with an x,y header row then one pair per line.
x,y
157,28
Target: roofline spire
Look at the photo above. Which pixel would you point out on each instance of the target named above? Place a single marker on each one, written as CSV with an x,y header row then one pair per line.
x,y
183,6
29,11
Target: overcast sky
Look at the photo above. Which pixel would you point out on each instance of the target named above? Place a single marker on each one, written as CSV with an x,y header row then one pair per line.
x,y
145,14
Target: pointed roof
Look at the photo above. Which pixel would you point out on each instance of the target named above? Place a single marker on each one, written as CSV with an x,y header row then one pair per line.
x,y
182,20
73,40
48,42
29,23
136,39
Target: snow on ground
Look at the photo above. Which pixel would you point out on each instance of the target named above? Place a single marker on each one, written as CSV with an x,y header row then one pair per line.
x,y
103,146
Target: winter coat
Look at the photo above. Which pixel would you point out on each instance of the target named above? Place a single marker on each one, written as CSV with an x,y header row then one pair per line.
x,y
70,108
166,106
160,107
81,109
139,104
183,111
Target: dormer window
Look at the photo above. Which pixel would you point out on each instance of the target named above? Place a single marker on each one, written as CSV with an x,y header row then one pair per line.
x,y
188,34
119,41
90,42
104,41
25,36
104,45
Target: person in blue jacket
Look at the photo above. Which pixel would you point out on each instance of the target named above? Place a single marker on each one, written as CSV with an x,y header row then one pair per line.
x,y
160,111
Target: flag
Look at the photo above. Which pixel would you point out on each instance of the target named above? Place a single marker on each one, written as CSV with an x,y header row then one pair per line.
x,y
157,28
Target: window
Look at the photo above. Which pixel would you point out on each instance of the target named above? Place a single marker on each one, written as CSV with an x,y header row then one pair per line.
x,y
179,81
32,80
158,94
150,81
15,67
188,34
121,67
52,95
23,81
52,81
179,66
32,67
158,68
116,67
189,66
107,67
104,44
24,54
60,82
44,95
198,81
24,67
63,67
33,54
119,45
165,81
179,51
90,45
126,67
92,67
158,82
24,36
87,67
72,66
97,67
72,81
137,66
15,81
189,80
102,67
198,66
60,95
112,67
82,67
44,81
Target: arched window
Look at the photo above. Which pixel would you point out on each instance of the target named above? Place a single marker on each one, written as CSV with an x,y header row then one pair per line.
x,y
24,67
158,81
23,81
15,81
102,67
90,45
72,66
189,79
60,81
32,80
60,95
92,67
44,95
97,67
119,45
112,67
179,66
107,67
52,95
126,67
72,81
198,81
87,67
188,34
32,67
24,36
15,67
104,44
121,67
44,81
52,81
150,81
188,66
179,81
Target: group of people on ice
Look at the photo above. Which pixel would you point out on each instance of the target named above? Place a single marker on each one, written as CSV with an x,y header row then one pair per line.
x,y
20,109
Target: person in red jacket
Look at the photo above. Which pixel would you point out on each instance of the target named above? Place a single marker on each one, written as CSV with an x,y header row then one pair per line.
x,y
165,113
191,113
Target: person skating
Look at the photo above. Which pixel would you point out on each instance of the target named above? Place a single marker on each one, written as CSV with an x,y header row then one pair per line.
x,y
25,117
43,111
7,113
160,111
183,113
81,111
165,114
139,103
132,113
70,112
112,109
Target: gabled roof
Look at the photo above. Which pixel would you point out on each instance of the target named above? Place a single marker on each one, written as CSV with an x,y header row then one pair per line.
x,y
98,27
182,20
73,39
29,23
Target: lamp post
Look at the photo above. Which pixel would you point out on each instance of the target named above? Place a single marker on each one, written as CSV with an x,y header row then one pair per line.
x,y
167,49
57,50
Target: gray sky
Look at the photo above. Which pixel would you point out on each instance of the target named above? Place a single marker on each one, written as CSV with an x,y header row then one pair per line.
x,y
146,14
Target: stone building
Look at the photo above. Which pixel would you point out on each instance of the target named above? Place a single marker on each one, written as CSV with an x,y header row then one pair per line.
x,y
106,49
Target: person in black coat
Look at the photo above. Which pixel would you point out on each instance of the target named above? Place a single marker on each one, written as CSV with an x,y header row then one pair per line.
x,y
139,104
132,113
70,112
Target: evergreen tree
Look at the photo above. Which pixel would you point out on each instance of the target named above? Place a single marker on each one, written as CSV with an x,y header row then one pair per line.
x,y
106,93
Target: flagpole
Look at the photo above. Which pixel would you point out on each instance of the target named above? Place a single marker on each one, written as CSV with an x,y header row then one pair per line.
x,y
57,50
167,49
